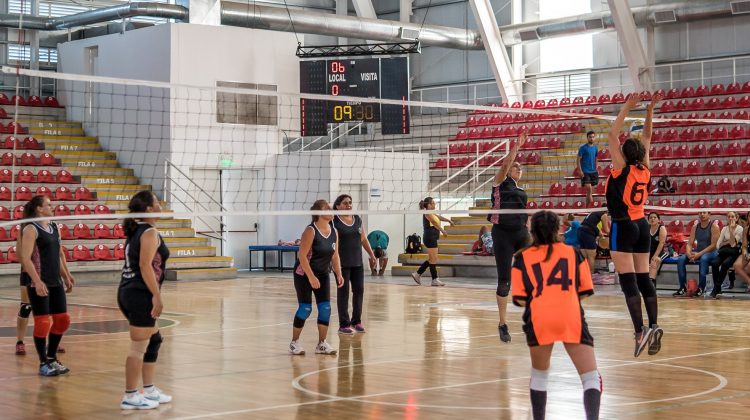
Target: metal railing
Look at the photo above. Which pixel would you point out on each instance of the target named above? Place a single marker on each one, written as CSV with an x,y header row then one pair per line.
x,y
333,139
170,181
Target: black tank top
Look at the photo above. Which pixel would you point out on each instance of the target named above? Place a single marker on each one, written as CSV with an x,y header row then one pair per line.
x,y
350,241
321,252
46,255
429,229
592,221
508,195
131,271
654,240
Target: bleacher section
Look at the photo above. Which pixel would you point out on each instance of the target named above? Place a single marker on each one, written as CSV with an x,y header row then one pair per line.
x,y
55,158
708,164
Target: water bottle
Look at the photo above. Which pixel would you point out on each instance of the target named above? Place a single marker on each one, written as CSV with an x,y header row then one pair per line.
x,y
611,267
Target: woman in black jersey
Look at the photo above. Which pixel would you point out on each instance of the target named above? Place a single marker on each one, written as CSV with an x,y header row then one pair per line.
x,y
352,239
657,251
45,273
742,265
318,253
589,232
139,299
509,231
432,230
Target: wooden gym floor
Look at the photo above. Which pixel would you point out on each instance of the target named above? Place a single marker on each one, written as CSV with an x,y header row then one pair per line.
x,y
428,353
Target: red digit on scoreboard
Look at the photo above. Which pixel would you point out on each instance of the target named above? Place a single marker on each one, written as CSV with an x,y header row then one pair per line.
x,y
335,90
337,67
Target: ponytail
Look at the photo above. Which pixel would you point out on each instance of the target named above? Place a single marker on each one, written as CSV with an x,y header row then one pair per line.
x,y
425,202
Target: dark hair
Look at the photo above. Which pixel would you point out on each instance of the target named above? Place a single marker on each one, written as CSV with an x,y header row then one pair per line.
x,y
318,205
633,152
545,226
590,132
378,252
339,199
29,209
138,204
655,213
423,204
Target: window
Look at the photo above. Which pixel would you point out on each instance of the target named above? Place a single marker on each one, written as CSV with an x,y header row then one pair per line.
x,y
18,52
239,108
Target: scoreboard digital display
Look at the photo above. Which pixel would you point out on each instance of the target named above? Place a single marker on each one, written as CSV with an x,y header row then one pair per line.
x,y
386,78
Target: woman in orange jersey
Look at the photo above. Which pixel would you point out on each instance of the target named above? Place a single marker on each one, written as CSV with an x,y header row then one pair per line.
x,y
550,278
627,191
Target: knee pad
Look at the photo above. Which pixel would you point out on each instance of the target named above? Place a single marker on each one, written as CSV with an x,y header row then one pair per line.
x,y
137,349
42,326
303,312
152,350
503,288
324,312
24,311
591,380
538,381
628,284
645,285
60,323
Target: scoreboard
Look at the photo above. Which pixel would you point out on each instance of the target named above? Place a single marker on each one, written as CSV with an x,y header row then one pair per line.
x,y
386,78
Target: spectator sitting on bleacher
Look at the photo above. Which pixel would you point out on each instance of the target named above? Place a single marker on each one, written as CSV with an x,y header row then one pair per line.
x,y
658,252
706,234
570,235
742,265
483,245
729,246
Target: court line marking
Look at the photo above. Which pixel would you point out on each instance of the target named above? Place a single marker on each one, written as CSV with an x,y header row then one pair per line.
x,y
329,398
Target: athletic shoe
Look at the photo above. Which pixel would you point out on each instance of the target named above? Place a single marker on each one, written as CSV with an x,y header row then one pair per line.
x,y
381,272
324,348
359,328
698,293
641,340
373,272
20,349
61,369
157,395
46,369
296,348
137,402
504,334
680,292
437,283
417,278
655,344
346,331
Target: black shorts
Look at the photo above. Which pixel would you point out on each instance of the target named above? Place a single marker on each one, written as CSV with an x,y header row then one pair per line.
x,y
25,279
431,239
136,305
587,237
54,303
630,236
590,179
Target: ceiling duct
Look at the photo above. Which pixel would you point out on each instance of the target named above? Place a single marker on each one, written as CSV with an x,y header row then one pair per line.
x,y
740,7
666,16
593,24
528,35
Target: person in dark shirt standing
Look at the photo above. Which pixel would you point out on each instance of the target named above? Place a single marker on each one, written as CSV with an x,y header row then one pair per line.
x,y
586,163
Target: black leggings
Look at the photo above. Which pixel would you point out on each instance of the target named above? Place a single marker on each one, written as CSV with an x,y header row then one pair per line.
x,y
355,276
721,264
305,291
506,242
54,303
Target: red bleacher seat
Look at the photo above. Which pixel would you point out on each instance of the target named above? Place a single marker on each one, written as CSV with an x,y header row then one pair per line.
x,y
14,232
484,121
540,103
18,100
532,205
63,193
682,105
741,115
562,205
119,251
703,134
578,100
528,104
4,238
471,122
555,189
533,158
706,186
547,205
724,186
739,203
699,150
566,101
604,99
714,150
51,101
25,175
676,169
31,143
118,231
6,175
81,231
102,209
11,142
18,212
729,102
687,134
676,227
65,177
742,185
35,101
4,213
553,103
496,119
62,210
45,192
702,90
697,104
671,135
6,194
667,106
7,159
102,253
730,167
687,92
461,135
713,103
618,98
672,94
734,87
64,231
486,133
664,202
82,253
682,204
591,100
573,188
733,149
604,154
12,255
744,102
474,133
101,231
717,89
579,205
47,159
686,187
15,128
659,169
24,194
4,99
45,176
27,159
516,105
737,132
665,152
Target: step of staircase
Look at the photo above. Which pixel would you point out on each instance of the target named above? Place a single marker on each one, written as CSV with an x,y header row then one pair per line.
x,y
406,270
40,123
96,180
56,130
201,274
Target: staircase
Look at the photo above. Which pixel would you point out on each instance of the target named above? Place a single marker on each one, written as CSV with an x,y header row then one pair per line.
x,y
192,257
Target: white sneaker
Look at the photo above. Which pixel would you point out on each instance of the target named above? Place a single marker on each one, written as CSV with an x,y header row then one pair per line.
x,y
324,348
417,277
157,395
296,348
137,402
436,282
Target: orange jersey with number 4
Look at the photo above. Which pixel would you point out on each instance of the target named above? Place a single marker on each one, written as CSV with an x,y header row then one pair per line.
x,y
552,291
627,191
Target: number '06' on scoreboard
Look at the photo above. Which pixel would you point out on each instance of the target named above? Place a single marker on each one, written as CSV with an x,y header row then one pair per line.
x,y
386,78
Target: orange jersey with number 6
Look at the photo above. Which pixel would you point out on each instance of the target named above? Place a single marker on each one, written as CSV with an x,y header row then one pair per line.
x,y
552,291
627,192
